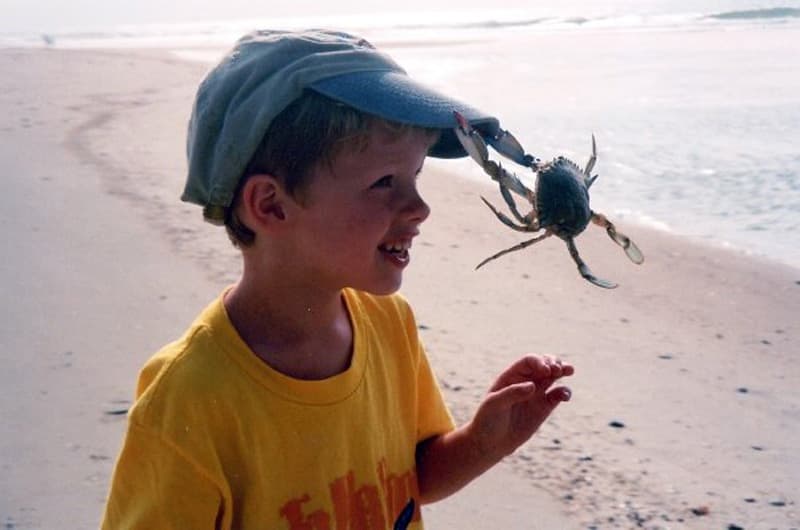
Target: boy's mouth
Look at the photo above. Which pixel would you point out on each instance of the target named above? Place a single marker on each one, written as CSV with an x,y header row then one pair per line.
x,y
398,250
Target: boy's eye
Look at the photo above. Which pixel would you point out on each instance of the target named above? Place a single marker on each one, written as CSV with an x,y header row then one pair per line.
x,y
383,182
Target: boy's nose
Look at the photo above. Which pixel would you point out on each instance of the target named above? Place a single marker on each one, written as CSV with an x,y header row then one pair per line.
x,y
418,210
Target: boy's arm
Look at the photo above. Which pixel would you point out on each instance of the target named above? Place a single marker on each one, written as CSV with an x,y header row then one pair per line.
x,y
517,404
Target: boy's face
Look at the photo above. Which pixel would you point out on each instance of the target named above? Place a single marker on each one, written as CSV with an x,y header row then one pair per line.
x,y
360,213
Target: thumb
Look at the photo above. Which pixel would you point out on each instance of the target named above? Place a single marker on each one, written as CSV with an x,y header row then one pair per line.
x,y
510,395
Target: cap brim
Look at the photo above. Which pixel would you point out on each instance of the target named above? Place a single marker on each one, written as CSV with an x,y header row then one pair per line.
x,y
396,97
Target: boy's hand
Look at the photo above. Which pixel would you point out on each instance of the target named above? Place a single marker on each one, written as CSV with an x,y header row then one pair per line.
x,y
517,404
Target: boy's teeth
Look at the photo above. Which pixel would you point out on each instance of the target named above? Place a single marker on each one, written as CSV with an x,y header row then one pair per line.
x,y
395,247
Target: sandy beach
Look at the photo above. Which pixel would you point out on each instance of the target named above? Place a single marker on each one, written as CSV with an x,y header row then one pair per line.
x,y
686,403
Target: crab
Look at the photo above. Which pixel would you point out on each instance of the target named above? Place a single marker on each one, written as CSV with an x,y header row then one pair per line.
x,y
559,202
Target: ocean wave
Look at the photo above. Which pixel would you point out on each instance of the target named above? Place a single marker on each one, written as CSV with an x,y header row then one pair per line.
x,y
756,14
516,20
498,23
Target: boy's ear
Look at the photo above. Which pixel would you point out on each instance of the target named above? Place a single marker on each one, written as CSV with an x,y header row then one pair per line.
x,y
263,201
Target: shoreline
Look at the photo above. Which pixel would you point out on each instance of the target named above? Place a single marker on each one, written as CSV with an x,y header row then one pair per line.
x,y
666,355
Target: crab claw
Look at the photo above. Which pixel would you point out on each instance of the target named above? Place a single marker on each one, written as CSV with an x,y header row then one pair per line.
x,y
471,140
475,146
507,145
630,248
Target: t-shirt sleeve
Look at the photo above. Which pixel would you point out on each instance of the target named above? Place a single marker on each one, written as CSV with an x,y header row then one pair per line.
x,y
433,416
155,486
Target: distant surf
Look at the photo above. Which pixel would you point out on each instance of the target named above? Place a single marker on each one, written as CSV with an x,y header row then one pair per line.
x,y
457,24
755,14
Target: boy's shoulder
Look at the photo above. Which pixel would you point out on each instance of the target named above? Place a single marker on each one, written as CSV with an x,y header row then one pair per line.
x,y
190,366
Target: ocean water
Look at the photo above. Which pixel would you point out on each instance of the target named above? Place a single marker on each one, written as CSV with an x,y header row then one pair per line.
x,y
695,104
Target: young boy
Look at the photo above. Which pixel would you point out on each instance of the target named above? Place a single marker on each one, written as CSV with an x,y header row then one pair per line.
x,y
302,397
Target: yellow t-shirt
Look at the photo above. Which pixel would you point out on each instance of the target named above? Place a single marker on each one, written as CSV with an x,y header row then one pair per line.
x,y
218,439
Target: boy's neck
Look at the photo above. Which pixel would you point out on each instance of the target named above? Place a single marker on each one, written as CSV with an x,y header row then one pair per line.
x,y
302,335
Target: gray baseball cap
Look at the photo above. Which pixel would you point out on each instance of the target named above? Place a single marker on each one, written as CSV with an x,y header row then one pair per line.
x,y
267,70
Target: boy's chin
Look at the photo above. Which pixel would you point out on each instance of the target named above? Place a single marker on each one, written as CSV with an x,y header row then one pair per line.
x,y
384,292
383,289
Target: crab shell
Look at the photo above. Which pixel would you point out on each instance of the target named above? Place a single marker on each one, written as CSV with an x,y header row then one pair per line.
x,y
562,198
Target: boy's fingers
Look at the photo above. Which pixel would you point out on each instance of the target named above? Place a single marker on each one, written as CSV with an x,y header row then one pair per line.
x,y
544,385
559,394
558,368
533,368
527,368
546,366
539,367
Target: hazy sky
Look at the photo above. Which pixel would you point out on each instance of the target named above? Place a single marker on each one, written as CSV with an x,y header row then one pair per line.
x,y
59,15
53,15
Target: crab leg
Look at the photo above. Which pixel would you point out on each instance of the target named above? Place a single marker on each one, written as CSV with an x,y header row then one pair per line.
x,y
530,218
584,269
528,225
619,238
516,247
588,179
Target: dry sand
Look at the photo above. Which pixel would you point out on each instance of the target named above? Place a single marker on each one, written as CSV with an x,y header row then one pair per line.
x,y
694,356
